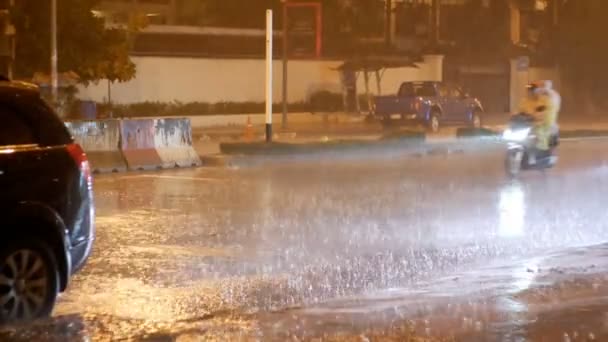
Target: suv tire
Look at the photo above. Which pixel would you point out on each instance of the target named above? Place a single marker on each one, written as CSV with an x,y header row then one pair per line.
x,y
29,280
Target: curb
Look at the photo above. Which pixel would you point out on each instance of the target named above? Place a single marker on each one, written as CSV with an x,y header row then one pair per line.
x,y
281,148
115,145
403,139
409,146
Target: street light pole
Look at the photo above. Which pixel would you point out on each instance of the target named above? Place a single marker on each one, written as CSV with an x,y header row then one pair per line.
x,y
269,37
54,76
11,33
388,23
436,21
285,68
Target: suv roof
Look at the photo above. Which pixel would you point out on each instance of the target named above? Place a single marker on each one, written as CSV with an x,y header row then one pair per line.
x,y
13,87
23,100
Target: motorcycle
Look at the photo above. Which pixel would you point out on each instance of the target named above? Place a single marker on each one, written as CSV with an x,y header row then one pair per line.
x,y
521,146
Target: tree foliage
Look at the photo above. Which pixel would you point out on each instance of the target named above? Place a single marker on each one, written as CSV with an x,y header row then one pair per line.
x,y
85,46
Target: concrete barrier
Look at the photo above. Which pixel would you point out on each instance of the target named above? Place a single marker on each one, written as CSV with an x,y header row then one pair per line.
x,y
173,143
137,144
101,141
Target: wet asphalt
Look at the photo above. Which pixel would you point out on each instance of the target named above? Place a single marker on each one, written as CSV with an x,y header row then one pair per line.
x,y
236,254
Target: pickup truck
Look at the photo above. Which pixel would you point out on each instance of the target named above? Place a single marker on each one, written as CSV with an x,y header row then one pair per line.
x,y
432,103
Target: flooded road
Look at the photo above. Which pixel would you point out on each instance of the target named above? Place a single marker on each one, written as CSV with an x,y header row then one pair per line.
x,y
260,253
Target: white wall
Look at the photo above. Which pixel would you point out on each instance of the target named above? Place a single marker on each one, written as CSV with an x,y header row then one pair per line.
x,y
166,79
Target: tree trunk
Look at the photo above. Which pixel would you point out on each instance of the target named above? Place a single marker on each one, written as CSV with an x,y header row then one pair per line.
x,y
378,82
368,95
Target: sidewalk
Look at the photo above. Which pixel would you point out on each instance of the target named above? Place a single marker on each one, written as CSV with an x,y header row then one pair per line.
x,y
230,146
354,129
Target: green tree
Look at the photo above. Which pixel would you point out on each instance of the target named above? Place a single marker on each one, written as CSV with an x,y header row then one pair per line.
x,y
85,46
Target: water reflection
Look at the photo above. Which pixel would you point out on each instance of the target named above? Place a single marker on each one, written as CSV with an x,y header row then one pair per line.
x,y
512,210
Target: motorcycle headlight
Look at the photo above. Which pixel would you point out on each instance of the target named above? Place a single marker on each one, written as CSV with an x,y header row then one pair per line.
x,y
516,135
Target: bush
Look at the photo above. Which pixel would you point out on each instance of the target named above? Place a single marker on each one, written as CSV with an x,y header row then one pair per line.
x,y
325,101
322,101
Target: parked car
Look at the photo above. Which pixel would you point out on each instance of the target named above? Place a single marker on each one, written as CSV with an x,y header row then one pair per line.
x,y
46,205
432,103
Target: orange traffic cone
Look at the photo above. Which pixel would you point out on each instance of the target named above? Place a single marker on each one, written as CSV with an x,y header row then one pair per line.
x,y
249,133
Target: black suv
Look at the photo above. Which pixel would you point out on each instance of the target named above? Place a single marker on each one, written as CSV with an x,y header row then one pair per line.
x,y
46,205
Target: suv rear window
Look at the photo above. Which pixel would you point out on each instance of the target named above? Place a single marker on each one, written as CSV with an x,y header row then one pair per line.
x,y
48,128
14,130
27,119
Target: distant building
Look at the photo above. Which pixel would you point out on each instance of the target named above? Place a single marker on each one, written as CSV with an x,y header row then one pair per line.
x,y
161,12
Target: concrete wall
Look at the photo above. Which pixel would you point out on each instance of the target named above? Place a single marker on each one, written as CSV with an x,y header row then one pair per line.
x,y
166,79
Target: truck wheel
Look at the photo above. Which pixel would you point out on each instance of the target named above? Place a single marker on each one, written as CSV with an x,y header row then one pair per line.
x,y
434,123
29,281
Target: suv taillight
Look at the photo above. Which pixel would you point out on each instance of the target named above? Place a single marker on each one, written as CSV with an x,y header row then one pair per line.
x,y
80,158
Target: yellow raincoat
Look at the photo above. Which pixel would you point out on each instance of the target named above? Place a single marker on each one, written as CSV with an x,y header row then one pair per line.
x,y
550,102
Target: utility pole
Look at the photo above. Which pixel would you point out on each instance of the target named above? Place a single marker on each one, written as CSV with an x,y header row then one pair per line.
x,y
555,5
435,21
11,34
285,65
514,22
54,75
269,37
388,23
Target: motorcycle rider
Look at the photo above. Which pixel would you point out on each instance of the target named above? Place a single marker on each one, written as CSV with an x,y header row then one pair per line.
x,y
544,103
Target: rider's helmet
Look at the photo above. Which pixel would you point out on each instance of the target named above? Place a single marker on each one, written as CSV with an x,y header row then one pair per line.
x,y
532,88
539,87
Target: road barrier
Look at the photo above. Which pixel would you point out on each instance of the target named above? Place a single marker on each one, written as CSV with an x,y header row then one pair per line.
x,y
137,144
101,141
173,143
